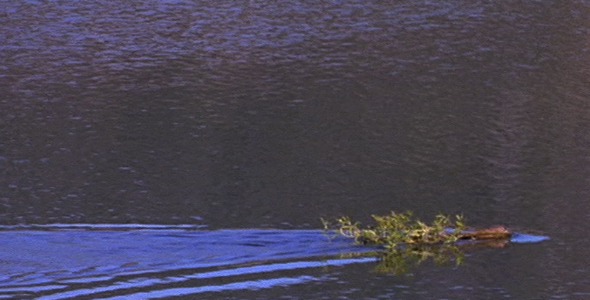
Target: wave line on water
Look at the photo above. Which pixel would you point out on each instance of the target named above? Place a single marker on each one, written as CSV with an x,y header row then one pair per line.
x,y
251,284
89,226
266,283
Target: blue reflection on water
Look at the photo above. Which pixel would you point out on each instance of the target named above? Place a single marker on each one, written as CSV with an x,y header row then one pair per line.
x,y
250,284
150,261
63,261
527,238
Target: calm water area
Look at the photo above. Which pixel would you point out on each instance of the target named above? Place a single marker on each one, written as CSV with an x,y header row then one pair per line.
x,y
188,149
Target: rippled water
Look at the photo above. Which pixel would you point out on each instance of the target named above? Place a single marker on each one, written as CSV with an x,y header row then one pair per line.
x,y
250,114
150,262
114,261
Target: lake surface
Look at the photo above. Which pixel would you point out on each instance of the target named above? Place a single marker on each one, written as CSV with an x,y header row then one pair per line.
x,y
142,261
248,114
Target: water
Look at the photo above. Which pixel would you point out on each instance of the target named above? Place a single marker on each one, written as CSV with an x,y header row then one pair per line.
x,y
248,114
114,261
149,262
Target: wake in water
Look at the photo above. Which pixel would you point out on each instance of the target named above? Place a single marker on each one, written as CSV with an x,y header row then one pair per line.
x,y
112,261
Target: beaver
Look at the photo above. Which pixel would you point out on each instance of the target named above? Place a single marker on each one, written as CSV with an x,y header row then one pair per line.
x,y
492,233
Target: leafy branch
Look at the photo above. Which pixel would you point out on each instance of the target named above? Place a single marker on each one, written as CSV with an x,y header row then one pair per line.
x,y
400,228
409,241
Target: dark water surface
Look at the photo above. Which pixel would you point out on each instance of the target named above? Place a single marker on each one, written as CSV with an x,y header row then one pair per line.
x,y
272,114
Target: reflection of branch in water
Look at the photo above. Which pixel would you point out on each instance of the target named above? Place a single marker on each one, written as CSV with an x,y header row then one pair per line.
x,y
402,259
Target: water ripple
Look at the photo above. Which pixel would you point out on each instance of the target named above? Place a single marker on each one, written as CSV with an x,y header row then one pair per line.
x,y
63,261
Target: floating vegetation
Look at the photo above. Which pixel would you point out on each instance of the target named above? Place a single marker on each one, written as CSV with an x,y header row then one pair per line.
x,y
409,241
